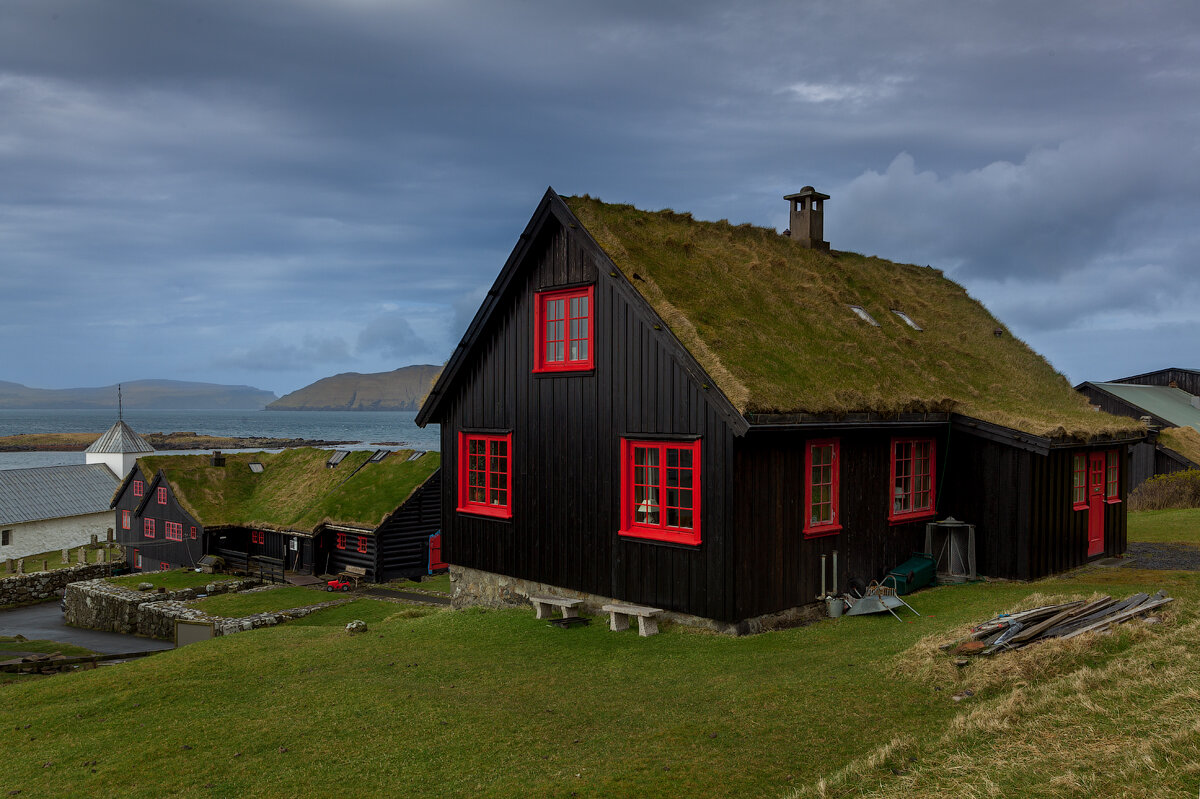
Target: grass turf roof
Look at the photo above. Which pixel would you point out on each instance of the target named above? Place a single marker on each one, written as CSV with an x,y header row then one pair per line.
x,y
1184,440
295,491
770,321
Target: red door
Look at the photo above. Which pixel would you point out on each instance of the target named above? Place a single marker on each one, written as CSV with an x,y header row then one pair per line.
x,y
1095,503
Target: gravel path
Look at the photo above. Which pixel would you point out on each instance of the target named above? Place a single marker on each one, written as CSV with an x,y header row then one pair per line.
x,y
1184,557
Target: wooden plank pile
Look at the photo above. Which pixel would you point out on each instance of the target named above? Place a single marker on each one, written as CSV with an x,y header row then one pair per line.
x,y
1067,620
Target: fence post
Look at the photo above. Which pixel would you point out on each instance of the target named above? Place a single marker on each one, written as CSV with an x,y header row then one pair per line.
x,y
20,565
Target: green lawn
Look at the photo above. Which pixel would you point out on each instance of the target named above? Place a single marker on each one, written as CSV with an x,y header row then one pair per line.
x,y
1165,526
283,597
9,643
497,703
53,559
171,580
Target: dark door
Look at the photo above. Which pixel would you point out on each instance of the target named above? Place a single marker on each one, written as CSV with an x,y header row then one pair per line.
x,y
1095,504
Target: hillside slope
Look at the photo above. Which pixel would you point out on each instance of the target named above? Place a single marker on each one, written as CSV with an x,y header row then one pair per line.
x,y
144,394
402,389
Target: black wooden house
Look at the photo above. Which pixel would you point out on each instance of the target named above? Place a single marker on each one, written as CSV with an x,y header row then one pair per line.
x,y
688,414
300,511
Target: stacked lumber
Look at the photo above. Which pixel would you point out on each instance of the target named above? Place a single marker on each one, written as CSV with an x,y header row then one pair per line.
x,y
1067,620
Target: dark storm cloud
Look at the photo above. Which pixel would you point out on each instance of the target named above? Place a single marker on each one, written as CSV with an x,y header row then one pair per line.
x,y
216,173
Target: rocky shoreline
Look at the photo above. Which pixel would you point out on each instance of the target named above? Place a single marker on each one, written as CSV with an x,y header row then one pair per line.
x,y
78,442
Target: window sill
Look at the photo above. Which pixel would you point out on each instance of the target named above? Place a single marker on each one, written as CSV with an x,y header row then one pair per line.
x,y
1079,506
582,370
919,516
485,512
1113,501
687,539
821,532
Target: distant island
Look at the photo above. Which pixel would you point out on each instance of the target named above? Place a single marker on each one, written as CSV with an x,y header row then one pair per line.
x,y
402,389
137,394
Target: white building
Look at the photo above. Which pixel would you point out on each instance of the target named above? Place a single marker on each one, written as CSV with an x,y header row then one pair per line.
x,y
49,508
119,448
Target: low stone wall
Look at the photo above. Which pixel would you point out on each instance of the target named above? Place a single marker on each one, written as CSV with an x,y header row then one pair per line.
x,y
40,586
100,605
474,587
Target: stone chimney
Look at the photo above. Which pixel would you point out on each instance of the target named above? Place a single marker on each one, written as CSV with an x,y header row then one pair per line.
x,y
807,220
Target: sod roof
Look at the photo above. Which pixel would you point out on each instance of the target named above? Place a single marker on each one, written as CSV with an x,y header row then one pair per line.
x,y
295,490
771,323
1184,440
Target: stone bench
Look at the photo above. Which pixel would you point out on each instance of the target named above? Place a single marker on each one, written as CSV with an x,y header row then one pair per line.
x,y
619,613
543,605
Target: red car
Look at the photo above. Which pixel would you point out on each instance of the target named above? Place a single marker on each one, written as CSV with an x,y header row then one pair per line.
x,y
338,585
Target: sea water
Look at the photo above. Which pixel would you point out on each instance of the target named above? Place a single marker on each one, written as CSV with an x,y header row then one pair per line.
x,y
393,429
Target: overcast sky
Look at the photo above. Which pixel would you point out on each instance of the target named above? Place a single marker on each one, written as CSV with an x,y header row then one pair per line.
x,y
270,192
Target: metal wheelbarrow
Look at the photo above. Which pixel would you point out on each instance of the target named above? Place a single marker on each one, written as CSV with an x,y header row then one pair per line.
x,y
878,597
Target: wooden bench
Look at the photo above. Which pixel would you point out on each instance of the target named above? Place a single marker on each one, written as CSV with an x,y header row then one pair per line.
x,y
353,573
543,605
619,613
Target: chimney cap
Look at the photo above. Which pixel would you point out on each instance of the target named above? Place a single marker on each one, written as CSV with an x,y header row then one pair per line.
x,y
807,191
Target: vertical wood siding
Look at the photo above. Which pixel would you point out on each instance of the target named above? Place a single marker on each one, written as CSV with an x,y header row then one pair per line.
x,y
160,549
566,443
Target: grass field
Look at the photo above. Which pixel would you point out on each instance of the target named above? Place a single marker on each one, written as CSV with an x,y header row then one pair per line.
x,y
496,703
53,559
282,597
1165,526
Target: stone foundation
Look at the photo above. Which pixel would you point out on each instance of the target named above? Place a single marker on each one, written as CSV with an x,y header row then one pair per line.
x,y
475,588
22,589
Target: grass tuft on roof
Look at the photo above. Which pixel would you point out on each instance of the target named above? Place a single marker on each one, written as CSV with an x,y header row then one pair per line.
x,y
771,323
295,491
1184,440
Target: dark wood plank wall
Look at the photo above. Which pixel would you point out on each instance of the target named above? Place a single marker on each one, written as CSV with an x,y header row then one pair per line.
x,y
1169,463
160,549
1058,532
566,444
987,485
777,567
1187,379
403,538
1144,463
336,560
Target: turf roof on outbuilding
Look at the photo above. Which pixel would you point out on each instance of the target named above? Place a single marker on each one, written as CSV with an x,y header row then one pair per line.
x,y
772,325
295,490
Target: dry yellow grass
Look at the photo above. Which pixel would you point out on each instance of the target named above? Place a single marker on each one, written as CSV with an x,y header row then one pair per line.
x,y
1184,440
771,324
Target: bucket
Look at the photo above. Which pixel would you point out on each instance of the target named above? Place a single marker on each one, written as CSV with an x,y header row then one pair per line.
x,y
835,605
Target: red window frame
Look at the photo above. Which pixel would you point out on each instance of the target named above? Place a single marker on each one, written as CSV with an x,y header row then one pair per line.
x,y
1112,476
163,566
125,520
1079,481
137,559
362,543
148,528
174,531
565,332
340,542
139,488
660,490
162,495
258,537
485,474
822,465
193,532
912,488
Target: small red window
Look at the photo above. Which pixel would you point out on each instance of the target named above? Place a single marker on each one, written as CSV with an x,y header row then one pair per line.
x,y
362,543
164,566
173,531
1112,476
660,491
137,559
162,495
258,537
912,472
148,528
193,533
564,336
124,520
485,474
821,488
1079,481
341,540
139,488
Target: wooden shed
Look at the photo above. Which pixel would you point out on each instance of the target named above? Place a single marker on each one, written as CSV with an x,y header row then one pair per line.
x,y
688,414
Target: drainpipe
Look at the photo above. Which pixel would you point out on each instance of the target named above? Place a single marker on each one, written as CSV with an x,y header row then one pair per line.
x,y
822,594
